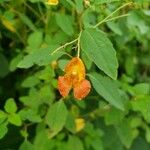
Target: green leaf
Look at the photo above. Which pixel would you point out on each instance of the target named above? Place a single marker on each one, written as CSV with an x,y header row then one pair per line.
x,y
3,130
108,89
147,134
40,57
62,63
142,89
26,20
31,81
43,137
79,5
135,19
14,62
142,104
70,123
65,23
114,116
99,48
10,106
74,143
2,114
15,119
114,27
86,60
26,145
56,116
35,39
30,114
126,133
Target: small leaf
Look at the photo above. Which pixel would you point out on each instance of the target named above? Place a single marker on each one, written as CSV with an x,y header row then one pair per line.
x,y
35,39
2,114
10,106
126,133
26,145
74,143
56,116
15,119
14,62
3,130
114,116
30,114
142,105
31,81
65,23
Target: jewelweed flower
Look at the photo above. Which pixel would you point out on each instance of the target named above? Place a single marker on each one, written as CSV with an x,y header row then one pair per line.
x,y
52,2
74,78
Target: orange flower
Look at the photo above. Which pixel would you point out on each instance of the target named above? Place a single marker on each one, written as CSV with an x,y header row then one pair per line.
x,y
52,2
74,78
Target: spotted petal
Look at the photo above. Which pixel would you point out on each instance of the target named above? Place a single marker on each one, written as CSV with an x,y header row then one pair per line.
x,y
64,85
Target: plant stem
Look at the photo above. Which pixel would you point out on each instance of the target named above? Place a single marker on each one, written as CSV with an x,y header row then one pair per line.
x,y
79,49
114,18
105,19
63,46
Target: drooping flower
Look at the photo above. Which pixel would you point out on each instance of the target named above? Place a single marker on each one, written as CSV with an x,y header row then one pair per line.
x,y
52,2
74,78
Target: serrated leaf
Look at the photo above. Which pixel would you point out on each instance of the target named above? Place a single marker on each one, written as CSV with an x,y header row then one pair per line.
x,y
108,89
99,48
10,106
15,119
31,115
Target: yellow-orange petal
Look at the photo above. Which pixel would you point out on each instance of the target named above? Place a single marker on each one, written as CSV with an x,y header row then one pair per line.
x,y
52,2
76,69
82,89
64,85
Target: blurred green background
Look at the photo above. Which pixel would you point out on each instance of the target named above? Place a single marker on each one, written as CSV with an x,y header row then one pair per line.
x,y
32,114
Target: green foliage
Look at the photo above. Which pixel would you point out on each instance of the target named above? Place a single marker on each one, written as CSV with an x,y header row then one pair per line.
x,y
108,89
56,116
96,50
112,37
